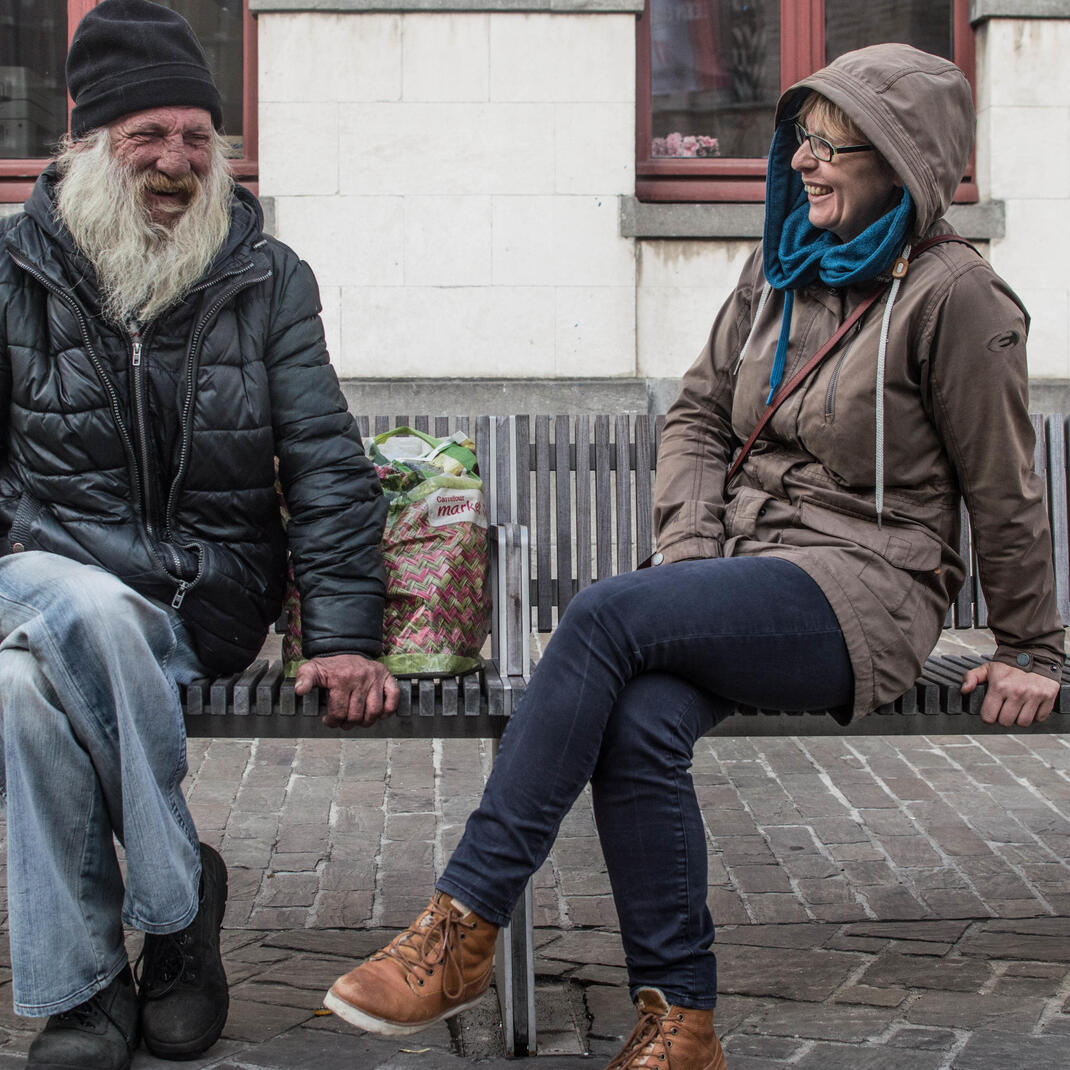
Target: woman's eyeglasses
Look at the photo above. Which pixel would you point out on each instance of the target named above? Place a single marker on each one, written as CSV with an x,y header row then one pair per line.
x,y
821,147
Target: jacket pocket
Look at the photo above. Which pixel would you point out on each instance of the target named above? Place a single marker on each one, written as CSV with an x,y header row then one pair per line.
x,y
912,549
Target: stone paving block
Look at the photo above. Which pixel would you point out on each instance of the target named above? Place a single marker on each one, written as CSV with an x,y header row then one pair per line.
x,y
872,997
726,907
926,930
612,1015
255,1021
808,976
780,1049
1017,945
592,910
840,831
743,850
987,1049
343,909
908,851
969,1010
954,902
750,879
582,946
853,1023
825,1056
768,907
256,991
288,890
892,969
891,902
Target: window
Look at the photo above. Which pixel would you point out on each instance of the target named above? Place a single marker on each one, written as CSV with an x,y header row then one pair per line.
x,y
710,73
34,107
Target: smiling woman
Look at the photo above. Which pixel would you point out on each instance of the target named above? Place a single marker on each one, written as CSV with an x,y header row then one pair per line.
x,y
849,185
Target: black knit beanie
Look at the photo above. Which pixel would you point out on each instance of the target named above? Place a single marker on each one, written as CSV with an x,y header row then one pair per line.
x,y
130,55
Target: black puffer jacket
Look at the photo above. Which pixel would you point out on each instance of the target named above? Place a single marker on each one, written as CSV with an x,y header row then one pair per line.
x,y
153,457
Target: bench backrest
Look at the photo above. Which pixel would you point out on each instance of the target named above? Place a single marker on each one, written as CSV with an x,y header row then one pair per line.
x,y
583,485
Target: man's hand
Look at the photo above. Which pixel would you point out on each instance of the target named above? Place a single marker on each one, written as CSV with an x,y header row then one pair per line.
x,y
359,691
1014,695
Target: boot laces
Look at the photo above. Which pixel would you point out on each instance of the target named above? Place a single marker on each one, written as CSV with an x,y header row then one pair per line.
x,y
88,1015
432,940
647,1044
165,961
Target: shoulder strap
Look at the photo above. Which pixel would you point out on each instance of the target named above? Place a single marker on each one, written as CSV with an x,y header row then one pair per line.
x,y
899,270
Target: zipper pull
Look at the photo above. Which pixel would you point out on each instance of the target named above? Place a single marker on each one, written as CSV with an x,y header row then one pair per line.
x,y
180,594
135,339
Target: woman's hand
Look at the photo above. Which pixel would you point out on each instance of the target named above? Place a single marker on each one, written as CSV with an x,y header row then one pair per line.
x,y
1014,695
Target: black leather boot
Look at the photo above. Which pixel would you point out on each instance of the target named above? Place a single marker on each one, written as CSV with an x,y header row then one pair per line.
x,y
182,986
100,1034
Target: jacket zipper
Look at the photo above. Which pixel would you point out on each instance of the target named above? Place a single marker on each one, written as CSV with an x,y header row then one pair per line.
x,y
187,412
830,394
138,355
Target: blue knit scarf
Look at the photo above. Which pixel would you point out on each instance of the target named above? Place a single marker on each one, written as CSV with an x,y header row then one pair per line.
x,y
795,253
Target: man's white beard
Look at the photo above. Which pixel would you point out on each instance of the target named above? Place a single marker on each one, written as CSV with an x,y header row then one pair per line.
x,y
142,267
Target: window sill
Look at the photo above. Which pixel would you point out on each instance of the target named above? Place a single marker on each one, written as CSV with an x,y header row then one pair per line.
x,y
634,7
981,10
979,222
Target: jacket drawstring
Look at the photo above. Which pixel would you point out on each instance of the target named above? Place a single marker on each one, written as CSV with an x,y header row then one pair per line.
x,y
882,350
767,289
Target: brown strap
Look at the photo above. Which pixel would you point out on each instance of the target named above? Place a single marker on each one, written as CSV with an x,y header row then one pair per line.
x,y
899,270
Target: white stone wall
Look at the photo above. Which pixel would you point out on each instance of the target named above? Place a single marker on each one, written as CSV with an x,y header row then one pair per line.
x,y
453,179
1023,159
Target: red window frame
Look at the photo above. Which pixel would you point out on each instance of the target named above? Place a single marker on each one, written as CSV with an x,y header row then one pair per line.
x,y
18,176
802,51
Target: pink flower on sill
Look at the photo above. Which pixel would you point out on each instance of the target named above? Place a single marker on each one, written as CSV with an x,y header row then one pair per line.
x,y
683,146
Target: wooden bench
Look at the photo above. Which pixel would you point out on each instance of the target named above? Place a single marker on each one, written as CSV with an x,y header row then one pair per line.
x,y
570,502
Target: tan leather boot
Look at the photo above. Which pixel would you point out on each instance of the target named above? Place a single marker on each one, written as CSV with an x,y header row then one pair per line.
x,y
440,965
669,1038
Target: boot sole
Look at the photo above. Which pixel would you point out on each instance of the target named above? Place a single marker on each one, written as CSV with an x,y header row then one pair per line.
x,y
193,1048
362,1020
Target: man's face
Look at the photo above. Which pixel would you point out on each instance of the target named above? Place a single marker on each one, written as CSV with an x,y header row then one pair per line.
x,y
170,149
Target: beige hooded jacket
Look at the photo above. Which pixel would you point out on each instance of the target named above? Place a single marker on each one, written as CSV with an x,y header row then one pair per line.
x,y
954,421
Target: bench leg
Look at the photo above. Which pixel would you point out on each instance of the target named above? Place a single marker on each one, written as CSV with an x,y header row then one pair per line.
x,y
515,966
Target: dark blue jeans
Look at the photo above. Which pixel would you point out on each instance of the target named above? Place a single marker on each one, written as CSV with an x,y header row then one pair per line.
x,y
640,666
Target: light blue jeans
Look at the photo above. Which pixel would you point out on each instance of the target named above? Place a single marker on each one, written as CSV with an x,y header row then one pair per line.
x,y
93,748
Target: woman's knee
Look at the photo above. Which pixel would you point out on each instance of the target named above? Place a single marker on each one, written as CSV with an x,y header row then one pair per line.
x,y
659,714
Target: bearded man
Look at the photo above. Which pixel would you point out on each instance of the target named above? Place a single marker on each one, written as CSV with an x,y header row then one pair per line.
x,y
157,354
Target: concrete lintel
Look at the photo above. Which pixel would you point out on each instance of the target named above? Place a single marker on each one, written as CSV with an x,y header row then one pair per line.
x,y
980,10
980,222
557,7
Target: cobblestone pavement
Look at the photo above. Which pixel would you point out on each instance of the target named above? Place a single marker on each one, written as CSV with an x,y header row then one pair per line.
x,y
882,902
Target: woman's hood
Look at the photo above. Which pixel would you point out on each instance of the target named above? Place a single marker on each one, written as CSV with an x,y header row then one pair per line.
x,y
916,108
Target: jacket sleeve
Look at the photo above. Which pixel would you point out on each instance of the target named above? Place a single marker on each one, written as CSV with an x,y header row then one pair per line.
x,y
697,442
336,505
978,382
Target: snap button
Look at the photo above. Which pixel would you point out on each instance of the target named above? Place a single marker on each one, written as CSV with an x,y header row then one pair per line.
x,y
17,547
657,558
1023,660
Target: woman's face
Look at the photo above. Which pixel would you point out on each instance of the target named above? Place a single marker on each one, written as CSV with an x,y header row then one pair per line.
x,y
849,192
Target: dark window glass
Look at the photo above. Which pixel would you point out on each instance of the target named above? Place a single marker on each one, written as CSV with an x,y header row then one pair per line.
x,y
218,26
926,24
715,76
33,98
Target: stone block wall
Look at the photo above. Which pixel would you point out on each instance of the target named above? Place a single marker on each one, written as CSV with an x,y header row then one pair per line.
x,y
454,178
462,181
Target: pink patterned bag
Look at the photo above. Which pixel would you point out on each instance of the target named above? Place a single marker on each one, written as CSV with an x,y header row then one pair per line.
x,y
437,611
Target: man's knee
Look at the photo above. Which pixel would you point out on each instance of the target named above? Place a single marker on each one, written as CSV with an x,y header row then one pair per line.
x,y
79,607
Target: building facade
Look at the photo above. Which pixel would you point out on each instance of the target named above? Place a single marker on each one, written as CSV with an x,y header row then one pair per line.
x,y
488,190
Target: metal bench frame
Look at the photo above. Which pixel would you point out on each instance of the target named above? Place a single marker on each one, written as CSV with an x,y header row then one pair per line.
x,y
570,501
